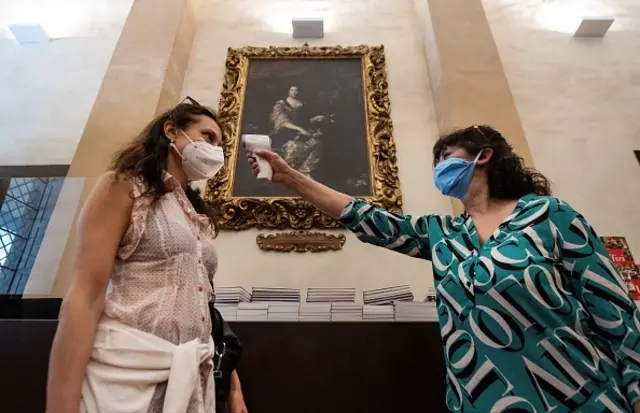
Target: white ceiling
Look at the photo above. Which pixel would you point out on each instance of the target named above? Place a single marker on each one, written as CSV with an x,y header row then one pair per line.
x,y
66,18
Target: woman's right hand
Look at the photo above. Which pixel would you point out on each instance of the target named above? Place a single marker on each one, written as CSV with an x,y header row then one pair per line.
x,y
327,200
281,169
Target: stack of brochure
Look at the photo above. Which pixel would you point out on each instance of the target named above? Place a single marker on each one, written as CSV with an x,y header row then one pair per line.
x,y
227,295
415,311
378,313
315,312
229,312
388,295
253,312
275,294
283,311
346,312
431,295
331,295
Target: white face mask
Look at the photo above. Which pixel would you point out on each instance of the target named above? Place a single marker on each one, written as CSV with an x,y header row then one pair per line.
x,y
200,159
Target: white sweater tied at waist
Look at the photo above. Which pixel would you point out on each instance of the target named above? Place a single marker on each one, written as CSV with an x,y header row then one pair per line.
x,y
127,364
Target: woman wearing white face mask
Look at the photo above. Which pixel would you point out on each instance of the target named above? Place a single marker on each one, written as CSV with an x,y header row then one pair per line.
x,y
145,346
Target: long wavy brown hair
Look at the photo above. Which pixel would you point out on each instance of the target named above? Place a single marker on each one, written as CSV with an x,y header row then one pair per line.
x,y
147,155
507,176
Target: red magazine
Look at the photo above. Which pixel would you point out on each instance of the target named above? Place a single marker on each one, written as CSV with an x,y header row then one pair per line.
x,y
621,255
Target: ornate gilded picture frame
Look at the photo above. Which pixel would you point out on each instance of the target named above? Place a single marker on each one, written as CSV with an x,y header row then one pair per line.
x,y
327,112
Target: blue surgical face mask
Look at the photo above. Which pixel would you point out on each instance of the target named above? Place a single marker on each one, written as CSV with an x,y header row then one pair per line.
x,y
453,176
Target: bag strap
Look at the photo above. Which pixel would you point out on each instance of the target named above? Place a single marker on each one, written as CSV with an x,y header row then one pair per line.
x,y
217,327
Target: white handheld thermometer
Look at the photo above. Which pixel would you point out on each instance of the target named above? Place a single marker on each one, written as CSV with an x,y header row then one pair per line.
x,y
255,143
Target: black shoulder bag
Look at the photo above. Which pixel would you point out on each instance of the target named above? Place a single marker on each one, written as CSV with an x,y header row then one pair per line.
x,y
227,355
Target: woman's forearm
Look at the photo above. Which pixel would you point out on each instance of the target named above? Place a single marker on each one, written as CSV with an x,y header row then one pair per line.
x,y
70,353
235,403
329,201
235,382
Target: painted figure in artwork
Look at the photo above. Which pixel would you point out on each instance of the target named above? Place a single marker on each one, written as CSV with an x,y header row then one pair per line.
x,y
295,135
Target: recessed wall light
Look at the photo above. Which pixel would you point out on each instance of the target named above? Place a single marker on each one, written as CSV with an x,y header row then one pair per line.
x,y
308,27
594,26
29,33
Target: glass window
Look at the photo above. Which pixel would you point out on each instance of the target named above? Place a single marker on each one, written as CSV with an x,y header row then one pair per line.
x,y
25,212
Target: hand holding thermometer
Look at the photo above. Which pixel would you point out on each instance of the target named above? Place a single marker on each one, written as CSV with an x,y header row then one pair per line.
x,y
256,143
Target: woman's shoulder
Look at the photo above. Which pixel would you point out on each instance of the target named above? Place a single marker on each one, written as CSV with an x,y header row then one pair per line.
x,y
550,200
110,199
127,190
114,185
542,201
556,209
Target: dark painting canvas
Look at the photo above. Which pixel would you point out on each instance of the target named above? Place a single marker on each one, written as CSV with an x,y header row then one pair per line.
x,y
314,110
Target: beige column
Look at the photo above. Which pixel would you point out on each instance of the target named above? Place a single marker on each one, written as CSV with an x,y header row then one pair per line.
x,y
467,78
144,78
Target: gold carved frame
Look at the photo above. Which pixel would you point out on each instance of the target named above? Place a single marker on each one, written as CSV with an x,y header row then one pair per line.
x,y
301,241
239,213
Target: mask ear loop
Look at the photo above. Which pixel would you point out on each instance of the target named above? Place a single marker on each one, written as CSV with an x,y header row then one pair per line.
x,y
478,129
173,145
186,136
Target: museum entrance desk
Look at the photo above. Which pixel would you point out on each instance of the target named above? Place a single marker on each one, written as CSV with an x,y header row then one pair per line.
x,y
287,367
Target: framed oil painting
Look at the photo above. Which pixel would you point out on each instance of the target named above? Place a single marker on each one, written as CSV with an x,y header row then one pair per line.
x,y
327,112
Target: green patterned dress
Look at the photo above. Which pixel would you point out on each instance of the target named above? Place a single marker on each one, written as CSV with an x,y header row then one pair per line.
x,y
537,319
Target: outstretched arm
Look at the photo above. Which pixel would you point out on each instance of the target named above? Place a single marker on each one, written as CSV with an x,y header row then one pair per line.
x,y
397,232
327,200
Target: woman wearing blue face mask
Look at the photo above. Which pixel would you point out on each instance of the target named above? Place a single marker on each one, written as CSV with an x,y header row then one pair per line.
x,y
534,316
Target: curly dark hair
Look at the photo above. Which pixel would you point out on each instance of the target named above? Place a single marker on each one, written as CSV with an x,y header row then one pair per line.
x,y
147,155
508,177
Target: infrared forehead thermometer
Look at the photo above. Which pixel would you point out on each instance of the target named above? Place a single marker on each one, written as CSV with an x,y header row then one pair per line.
x,y
256,143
